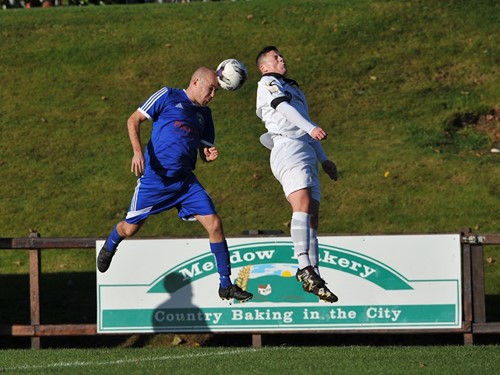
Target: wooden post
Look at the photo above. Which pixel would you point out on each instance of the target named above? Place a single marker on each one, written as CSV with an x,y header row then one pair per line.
x,y
256,341
35,268
467,288
478,289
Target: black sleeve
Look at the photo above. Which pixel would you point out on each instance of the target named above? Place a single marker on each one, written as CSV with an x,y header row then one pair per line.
x,y
202,153
276,102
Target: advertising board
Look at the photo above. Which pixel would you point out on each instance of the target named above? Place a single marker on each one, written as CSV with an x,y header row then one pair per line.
x,y
383,282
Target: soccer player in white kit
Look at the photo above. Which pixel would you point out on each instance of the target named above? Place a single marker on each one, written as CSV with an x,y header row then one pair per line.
x,y
294,141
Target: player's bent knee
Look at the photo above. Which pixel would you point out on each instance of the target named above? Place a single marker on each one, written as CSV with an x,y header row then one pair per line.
x,y
128,230
212,224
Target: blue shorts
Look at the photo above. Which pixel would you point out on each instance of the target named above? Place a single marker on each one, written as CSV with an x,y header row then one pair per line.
x,y
154,194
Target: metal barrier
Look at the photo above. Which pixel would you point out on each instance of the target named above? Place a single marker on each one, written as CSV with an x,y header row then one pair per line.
x,y
473,290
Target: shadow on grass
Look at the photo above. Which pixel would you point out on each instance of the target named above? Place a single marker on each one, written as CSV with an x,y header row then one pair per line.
x,y
492,308
70,298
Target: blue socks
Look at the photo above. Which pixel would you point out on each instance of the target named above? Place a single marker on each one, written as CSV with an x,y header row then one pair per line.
x,y
113,240
225,281
221,254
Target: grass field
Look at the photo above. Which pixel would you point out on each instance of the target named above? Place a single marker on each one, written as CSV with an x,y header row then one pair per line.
x,y
273,360
408,91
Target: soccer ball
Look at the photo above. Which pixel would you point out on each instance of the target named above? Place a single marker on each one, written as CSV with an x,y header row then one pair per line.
x,y
231,74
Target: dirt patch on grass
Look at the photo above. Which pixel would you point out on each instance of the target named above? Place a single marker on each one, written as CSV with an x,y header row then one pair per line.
x,y
490,124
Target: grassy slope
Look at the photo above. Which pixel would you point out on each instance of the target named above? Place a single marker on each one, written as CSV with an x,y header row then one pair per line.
x,y
385,78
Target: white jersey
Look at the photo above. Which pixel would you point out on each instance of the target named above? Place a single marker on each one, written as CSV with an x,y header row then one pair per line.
x,y
272,90
293,156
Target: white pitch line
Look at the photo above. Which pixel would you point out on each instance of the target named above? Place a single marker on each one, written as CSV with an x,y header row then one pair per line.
x,y
120,361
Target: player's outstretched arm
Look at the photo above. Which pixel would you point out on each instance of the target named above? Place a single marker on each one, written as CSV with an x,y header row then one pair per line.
x,y
328,166
134,134
298,120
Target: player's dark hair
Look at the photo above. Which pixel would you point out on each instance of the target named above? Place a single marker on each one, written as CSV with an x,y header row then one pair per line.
x,y
263,52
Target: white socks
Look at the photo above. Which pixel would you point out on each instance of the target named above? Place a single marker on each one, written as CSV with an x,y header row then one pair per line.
x,y
299,230
313,249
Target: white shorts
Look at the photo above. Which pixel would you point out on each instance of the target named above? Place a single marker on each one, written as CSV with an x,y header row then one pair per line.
x,y
295,166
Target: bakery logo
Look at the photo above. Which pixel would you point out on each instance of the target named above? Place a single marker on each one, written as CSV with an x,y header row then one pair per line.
x,y
269,268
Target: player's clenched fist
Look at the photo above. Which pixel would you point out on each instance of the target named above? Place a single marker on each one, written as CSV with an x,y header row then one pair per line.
x,y
211,153
318,134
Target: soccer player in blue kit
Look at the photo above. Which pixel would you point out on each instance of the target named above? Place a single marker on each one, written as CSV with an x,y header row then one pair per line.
x,y
182,128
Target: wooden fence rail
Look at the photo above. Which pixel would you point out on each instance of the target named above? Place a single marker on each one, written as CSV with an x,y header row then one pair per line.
x,y
473,290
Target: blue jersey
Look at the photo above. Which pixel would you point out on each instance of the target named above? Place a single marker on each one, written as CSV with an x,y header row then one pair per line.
x,y
180,128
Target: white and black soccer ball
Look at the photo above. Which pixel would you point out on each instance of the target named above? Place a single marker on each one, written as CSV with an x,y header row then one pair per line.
x,y
231,74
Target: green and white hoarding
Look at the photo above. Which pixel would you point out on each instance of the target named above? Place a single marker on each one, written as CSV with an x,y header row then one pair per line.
x,y
383,282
